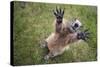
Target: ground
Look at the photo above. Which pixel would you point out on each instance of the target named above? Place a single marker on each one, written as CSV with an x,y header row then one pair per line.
x,y
33,22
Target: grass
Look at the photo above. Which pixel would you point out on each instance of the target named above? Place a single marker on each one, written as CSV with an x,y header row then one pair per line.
x,y
33,22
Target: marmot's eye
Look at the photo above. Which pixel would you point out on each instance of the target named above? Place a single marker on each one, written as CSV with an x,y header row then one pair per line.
x,y
76,25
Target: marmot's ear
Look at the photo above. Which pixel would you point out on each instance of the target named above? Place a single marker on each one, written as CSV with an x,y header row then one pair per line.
x,y
76,18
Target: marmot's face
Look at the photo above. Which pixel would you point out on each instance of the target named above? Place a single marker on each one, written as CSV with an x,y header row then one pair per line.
x,y
75,25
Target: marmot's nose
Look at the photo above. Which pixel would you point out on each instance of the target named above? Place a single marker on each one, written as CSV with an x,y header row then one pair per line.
x,y
76,25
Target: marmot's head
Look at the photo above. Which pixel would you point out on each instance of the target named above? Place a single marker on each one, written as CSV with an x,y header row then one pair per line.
x,y
75,25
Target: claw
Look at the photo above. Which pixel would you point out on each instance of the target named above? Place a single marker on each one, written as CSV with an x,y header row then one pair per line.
x,y
62,12
86,30
84,39
54,13
87,36
87,33
58,12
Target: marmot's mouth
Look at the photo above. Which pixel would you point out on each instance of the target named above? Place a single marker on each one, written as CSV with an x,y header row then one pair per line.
x,y
72,29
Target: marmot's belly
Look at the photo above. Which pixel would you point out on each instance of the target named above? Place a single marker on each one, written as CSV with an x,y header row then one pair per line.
x,y
56,43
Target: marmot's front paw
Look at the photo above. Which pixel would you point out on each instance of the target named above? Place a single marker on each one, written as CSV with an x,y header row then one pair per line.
x,y
83,35
58,14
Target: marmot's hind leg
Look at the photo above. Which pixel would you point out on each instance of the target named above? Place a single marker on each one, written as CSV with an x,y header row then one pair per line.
x,y
43,44
52,54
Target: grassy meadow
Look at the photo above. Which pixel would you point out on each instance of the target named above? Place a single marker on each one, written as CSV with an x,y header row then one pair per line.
x,y
33,22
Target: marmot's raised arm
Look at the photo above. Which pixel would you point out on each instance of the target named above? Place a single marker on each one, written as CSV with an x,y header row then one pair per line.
x,y
59,15
83,35
59,19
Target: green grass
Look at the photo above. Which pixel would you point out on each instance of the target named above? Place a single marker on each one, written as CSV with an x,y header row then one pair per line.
x,y
33,23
